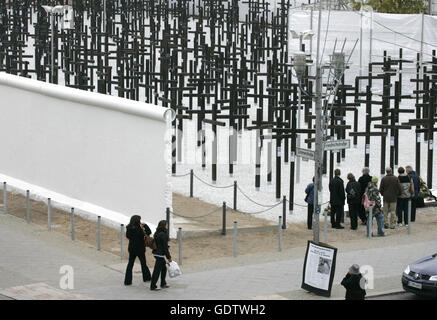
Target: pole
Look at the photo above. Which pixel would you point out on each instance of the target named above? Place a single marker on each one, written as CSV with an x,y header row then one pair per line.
x,y
122,242
104,16
298,135
280,234
224,219
53,47
72,224
409,216
318,145
235,238
191,182
180,245
235,195
99,222
49,214
284,212
361,47
5,193
167,214
27,207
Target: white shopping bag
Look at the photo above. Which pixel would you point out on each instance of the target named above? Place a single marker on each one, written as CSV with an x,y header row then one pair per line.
x,y
173,269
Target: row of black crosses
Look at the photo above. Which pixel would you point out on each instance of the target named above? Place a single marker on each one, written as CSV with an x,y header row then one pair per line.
x,y
212,71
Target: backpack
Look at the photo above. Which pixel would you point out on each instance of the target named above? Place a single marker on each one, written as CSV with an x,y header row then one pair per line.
x,y
150,242
353,194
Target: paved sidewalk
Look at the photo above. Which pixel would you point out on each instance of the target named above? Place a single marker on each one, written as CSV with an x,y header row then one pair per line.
x,y
30,254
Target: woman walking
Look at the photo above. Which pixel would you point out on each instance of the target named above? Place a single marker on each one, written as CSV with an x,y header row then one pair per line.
x,y
160,253
135,232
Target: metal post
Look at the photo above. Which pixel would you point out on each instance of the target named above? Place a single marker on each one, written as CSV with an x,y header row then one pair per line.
x,y
280,234
122,241
27,207
235,195
180,245
72,224
167,214
104,16
361,47
371,36
370,222
318,145
99,222
5,193
53,47
325,229
224,219
298,135
191,182
409,216
49,214
235,238
284,212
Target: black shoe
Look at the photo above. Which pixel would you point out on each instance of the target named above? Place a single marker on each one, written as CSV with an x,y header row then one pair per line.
x,y
128,284
155,289
385,226
339,227
353,228
165,286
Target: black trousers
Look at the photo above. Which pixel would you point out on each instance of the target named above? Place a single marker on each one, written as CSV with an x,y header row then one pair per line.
x,y
362,213
402,210
144,269
336,213
413,209
310,216
159,270
354,209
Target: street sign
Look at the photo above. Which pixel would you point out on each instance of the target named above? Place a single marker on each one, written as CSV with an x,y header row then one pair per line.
x,y
305,153
337,144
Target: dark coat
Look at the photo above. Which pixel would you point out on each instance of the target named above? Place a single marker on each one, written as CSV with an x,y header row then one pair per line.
x,y
136,239
364,181
353,289
353,191
390,188
310,192
413,175
336,189
161,240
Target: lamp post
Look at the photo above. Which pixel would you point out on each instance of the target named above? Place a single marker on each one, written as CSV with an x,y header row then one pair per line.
x,y
52,11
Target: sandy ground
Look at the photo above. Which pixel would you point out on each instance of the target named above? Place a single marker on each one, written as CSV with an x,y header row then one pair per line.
x,y
200,249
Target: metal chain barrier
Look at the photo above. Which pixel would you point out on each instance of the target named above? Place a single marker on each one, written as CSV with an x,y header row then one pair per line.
x,y
209,213
180,175
258,212
262,205
211,185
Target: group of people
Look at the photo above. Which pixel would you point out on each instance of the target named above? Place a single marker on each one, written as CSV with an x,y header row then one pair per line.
x,y
396,191
137,232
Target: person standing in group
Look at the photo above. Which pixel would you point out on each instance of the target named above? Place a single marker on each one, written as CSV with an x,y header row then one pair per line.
x,y
337,199
354,284
135,232
161,252
374,196
353,192
390,189
415,197
310,200
407,190
363,181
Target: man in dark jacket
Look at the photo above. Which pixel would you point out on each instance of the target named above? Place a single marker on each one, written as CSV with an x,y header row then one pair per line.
x,y
310,200
353,199
337,198
354,284
416,181
364,182
390,190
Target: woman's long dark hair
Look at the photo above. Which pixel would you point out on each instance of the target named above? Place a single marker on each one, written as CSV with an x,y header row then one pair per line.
x,y
135,222
161,227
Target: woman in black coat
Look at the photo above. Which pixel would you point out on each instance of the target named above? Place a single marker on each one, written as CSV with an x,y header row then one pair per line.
x,y
135,232
354,284
160,253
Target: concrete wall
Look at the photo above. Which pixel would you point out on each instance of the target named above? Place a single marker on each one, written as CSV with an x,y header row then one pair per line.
x,y
98,149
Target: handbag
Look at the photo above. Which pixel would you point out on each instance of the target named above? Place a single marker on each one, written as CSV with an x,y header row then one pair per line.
x,y
366,202
173,269
150,242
